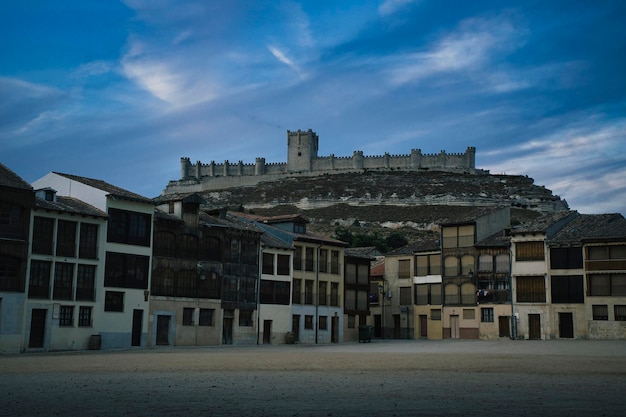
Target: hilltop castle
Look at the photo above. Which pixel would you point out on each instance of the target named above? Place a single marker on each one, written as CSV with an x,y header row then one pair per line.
x,y
302,160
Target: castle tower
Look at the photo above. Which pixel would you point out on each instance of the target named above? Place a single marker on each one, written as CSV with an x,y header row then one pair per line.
x,y
301,150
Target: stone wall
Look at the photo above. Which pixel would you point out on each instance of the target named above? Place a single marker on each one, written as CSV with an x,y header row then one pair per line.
x,y
304,161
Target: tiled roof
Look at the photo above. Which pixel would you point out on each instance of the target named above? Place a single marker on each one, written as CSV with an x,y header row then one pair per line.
x,y
10,179
69,205
544,223
378,270
111,189
368,252
468,214
184,197
499,239
592,227
420,246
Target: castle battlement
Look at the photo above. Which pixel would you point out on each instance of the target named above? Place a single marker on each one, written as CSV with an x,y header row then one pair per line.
x,y
302,160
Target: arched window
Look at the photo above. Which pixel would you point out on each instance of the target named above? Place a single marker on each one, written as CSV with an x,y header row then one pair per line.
x,y
451,264
467,265
468,294
485,263
451,294
503,263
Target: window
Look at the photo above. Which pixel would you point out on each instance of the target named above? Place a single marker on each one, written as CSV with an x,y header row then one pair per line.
x,y
458,236
309,259
467,265
600,312
503,263
66,238
211,248
88,244
452,294
66,316
84,316
323,261
405,296
188,246
282,265
530,289
39,283
485,263
308,322
529,251
85,282
188,316
567,289
350,274
113,301
323,323
297,258
468,293
43,235
206,317
607,284
63,279
308,291
469,314
296,295
451,266
129,227
428,265
486,315
245,318
620,312
566,258
9,280
404,268
334,294
249,252
275,292
435,314
426,294
351,321
13,221
268,263
595,253
126,271
323,293
334,261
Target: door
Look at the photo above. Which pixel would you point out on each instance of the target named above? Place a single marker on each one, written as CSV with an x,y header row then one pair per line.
x,y
454,327
534,326
377,326
396,326
503,326
424,326
163,330
295,326
267,332
566,325
37,328
137,325
227,328
334,329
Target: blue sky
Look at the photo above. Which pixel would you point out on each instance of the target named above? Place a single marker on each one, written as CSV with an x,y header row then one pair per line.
x,y
120,91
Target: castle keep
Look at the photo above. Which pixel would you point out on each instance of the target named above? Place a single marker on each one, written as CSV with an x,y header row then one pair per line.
x,y
302,160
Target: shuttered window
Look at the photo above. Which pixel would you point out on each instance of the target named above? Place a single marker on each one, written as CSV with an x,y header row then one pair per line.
x,y
531,289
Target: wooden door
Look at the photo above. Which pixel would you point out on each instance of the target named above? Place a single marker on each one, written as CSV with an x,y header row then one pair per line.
x,y
378,326
534,326
137,326
424,326
334,329
454,327
295,326
37,328
503,326
163,330
396,326
566,325
267,332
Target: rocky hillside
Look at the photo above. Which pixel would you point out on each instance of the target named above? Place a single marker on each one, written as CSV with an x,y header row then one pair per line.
x,y
409,202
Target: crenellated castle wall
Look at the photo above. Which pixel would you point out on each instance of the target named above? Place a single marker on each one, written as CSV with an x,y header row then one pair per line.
x,y
304,161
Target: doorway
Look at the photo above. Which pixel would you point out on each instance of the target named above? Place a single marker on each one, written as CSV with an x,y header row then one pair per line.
x,y
377,326
503,326
227,329
423,326
334,329
396,326
455,329
534,326
37,328
162,330
137,325
566,325
267,332
295,327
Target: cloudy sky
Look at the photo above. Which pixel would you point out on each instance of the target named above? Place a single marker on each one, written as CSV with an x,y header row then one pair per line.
x,y
119,91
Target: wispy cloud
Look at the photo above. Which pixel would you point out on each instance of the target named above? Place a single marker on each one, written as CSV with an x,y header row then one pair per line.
x,y
389,7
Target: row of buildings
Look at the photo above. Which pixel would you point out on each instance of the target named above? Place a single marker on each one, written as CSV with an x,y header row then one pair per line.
x,y
88,265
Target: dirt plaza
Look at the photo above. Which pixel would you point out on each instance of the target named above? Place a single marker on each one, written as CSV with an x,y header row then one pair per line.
x,y
381,378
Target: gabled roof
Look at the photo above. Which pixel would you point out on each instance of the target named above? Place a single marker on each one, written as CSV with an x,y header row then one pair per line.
x,y
184,197
429,245
112,190
469,215
377,270
501,239
69,205
587,227
10,179
368,252
549,223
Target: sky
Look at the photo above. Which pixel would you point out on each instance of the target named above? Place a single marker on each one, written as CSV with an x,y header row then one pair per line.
x,y
121,90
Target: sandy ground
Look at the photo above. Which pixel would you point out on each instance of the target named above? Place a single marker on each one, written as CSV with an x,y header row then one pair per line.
x,y
390,378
